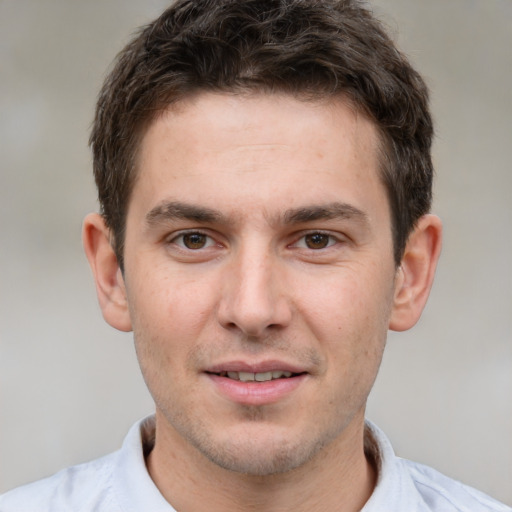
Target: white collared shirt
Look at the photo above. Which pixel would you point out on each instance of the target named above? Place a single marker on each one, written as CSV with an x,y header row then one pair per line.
x,y
120,482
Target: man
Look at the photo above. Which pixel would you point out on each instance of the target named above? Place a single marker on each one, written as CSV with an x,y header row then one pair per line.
x,y
264,177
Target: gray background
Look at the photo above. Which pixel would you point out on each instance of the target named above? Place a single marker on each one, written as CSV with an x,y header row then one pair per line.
x,y
70,385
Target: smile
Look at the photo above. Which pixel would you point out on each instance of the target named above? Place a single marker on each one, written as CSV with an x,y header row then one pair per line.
x,y
256,377
256,388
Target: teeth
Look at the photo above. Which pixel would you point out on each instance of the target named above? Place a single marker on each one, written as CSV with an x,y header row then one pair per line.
x,y
262,377
280,373
258,377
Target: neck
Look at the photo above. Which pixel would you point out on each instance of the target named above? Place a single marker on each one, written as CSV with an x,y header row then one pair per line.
x,y
339,477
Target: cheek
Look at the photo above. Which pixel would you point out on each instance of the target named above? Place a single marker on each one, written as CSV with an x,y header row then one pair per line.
x,y
170,300
168,315
343,303
349,318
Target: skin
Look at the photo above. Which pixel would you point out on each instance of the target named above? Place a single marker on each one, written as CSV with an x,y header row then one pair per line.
x,y
258,237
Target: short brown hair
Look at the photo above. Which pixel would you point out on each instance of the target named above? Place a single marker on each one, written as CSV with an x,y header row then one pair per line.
x,y
308,48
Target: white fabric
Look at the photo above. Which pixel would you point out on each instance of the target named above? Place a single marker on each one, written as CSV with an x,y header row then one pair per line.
x,y
120,483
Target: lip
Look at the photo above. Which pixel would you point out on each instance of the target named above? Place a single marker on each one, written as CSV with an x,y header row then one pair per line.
x,y
255,393
260,367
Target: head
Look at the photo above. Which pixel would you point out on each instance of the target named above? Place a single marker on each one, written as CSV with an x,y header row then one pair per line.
x,y
310,50
264,171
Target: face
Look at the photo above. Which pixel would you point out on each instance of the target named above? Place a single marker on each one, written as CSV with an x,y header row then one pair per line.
x,y
259,276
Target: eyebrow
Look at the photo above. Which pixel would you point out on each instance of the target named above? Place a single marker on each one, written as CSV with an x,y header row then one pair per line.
x,y
324,212
171,210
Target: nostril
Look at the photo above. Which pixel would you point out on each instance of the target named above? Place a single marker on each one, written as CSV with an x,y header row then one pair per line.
x,y
253,307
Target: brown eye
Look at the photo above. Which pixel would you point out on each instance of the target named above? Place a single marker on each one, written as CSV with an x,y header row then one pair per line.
x,y
195,240
317,240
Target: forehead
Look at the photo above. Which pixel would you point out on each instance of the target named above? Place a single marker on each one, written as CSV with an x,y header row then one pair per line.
x,y
258,150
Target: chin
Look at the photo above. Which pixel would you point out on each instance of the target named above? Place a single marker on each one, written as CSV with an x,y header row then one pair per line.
x,y
255,462
258,455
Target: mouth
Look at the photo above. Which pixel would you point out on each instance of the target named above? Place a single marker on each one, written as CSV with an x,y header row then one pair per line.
x,y
257,377
258,384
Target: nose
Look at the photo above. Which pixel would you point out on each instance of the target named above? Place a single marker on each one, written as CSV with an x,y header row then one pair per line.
x,y
254,299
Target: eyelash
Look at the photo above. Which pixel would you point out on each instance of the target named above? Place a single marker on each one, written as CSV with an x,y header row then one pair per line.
x,y
299,243
331,240
181,236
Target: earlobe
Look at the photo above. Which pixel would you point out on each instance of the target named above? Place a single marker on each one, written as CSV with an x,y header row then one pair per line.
x,y
109,280
416,273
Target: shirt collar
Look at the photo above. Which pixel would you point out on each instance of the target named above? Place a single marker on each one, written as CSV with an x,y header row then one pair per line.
x,y
395,489
134,488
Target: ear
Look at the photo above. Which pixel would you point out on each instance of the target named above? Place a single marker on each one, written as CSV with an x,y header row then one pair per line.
x,y
109,280
416,273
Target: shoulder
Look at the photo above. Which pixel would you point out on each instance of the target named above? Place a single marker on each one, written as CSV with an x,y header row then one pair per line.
x,y
408,486
86,487
440,492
